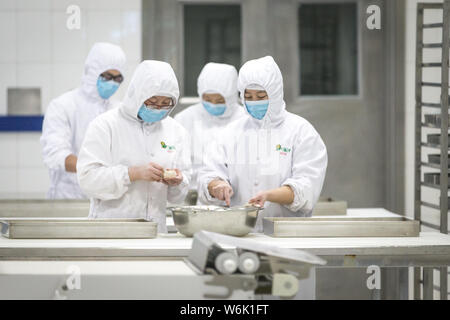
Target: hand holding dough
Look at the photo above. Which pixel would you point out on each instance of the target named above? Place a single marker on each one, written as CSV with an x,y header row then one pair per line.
x,y
172,177
169,174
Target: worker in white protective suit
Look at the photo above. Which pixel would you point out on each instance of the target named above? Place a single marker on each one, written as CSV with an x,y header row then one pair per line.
x,y
273,158
68,116
217,89
126,151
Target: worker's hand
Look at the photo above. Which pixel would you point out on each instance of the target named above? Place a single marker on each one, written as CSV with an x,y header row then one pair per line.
x,y
259,199
175,180
221,190
148,172
70,163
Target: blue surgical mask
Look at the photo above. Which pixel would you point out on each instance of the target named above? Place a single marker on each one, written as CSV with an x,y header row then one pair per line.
x,y
151,115
214,109
257,109
106,88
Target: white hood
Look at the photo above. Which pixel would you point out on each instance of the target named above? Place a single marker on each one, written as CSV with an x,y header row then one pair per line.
x,y
220,78
150,78
265,73
102,57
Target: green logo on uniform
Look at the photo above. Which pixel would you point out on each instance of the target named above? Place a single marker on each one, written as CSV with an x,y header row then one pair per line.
x,y
165,146
282,149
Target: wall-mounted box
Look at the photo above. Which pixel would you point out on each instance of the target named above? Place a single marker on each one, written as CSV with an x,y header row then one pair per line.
x,y
24,101
24,111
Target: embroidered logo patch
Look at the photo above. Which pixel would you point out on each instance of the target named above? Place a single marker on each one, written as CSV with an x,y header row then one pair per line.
x,y
167,147
283,150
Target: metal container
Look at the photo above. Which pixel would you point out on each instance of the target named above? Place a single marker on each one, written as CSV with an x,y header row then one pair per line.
x,y
436,159
436,139
434,119
191,198
327,206
234,221
340,227
434,178
81,228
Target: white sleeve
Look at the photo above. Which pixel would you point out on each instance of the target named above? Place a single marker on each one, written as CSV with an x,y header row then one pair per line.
x,y
214,167
176,194
309,165
56,138
97,176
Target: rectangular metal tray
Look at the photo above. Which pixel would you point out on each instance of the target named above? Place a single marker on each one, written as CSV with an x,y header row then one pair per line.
x,y
434,119
435,158
81,228
436,139
43,208
340,227
433,178
327,206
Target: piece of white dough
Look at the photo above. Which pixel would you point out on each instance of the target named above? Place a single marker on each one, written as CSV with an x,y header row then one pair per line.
x,y
169,174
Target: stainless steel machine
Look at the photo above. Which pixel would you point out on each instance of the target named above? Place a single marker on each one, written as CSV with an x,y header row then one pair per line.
x,y
272,270
217,267
170,266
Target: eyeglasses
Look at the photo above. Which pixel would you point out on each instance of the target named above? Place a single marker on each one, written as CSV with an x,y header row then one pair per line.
x,y
165,105
108,76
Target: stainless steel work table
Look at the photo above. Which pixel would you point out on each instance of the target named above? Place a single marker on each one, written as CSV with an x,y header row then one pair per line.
x,y
430,249
427,250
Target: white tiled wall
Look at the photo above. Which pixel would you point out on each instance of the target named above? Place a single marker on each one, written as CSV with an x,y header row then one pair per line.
x,y
22,172
39,51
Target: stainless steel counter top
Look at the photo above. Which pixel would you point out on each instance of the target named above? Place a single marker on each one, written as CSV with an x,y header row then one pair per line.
x,y
428,249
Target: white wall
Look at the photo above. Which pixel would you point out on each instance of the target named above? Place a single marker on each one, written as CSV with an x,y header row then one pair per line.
x,y
38,50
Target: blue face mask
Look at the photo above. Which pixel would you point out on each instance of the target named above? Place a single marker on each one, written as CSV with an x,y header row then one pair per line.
x,y
214,109
106,88
257,109
151,115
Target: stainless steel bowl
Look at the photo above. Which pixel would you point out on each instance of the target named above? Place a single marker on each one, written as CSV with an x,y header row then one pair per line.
x,y
234,221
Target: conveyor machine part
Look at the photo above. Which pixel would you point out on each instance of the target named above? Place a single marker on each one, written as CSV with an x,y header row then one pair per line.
x,y
228,257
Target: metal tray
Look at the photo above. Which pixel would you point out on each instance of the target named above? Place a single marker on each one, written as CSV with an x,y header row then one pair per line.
x,y
43,208
435,158
434,119
327,206
341,227
436,139
433,178
82,228
234,221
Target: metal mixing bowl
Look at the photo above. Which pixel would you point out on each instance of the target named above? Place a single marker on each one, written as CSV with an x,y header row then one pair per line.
x,y
234,221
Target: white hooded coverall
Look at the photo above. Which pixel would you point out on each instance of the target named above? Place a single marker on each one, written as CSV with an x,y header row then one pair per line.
x,y
68,116
118,139
257,155
203,127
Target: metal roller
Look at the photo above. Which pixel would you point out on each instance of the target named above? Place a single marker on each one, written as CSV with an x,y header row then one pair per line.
x,y
226,263
248,262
